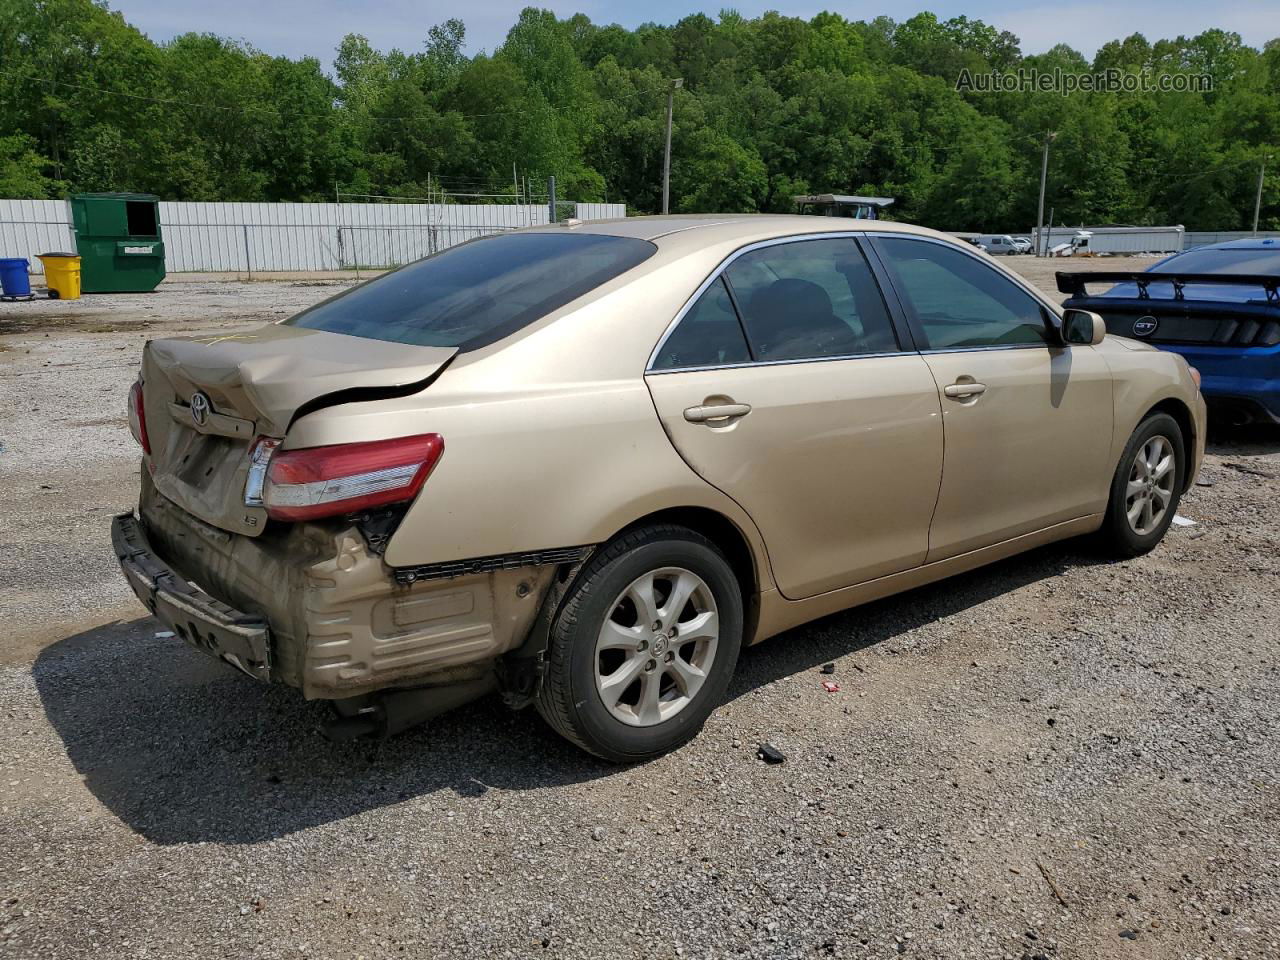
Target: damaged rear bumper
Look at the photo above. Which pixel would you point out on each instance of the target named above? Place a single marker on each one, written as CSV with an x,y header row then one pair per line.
x,y
309,605
241,639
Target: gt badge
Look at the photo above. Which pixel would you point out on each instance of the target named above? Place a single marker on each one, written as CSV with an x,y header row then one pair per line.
x,y
1145,326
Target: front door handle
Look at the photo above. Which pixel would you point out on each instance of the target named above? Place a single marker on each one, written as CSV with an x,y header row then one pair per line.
x,y
963,391
716,413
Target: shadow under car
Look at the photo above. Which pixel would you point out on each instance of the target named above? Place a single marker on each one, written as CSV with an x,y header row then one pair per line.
x,y
184,749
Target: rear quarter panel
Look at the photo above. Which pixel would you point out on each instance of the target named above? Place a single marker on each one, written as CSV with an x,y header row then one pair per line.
x,y
551,438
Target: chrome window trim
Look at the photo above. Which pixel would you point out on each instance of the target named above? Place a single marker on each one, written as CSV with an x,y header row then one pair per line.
x,y
719,271
702,368
992,346
781,363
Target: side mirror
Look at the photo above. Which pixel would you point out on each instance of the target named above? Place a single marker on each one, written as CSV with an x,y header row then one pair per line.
x,y
1083,327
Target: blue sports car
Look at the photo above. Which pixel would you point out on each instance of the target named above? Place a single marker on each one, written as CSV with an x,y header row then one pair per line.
x,y
1218,306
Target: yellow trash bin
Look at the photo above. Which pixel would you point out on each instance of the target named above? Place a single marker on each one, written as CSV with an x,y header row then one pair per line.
x,y
61,275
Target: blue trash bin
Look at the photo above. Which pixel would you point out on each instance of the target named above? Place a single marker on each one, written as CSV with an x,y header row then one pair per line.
x,y
13,277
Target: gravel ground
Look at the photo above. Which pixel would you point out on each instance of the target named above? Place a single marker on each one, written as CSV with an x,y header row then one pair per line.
x,y
1054,757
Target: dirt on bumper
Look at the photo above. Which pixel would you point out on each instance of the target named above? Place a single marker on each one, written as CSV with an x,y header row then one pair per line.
x,y
311,607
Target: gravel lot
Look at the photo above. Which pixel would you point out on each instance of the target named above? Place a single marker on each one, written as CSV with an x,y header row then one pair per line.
x,y
1054,757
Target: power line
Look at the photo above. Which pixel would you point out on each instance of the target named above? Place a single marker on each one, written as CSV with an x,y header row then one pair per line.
x,y
1217,168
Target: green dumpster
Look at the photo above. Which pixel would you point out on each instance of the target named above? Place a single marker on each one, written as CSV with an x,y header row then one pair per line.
x,y
118,239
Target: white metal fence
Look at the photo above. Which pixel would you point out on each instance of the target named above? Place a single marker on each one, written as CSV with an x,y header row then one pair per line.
x,y
1201,238
28,227
268,237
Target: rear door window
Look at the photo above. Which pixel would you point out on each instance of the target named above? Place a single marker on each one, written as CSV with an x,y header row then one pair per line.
x,y
477,293
708,335
810,299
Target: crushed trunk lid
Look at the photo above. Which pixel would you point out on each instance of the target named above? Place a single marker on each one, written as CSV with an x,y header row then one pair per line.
x,y
255,384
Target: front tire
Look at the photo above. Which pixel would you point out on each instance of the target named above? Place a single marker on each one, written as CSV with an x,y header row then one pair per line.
x,y
644,646
1146,488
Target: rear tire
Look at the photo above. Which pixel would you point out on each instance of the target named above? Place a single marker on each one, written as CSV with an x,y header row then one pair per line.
x,y
1146,488
627,686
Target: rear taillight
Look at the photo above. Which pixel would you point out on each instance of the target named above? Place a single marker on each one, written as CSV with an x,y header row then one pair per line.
x,y
1195,375
138,417
259,459
345,478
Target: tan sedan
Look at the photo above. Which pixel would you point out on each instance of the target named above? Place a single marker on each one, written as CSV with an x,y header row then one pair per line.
x,y
584,464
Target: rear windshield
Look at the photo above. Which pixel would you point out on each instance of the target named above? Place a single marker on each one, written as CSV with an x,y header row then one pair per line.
x,y
478,292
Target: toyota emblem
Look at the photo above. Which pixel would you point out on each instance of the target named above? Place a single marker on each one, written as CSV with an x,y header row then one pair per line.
x,y
1145,326
200,407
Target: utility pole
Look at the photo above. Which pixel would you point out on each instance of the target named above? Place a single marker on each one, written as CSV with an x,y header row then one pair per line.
x,y
1257,200
666,160
551,199
1042,243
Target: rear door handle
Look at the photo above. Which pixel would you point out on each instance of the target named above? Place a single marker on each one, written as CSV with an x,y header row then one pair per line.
x,y
716,413
962,391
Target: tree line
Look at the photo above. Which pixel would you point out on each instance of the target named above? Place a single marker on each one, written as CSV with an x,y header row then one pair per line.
x,y
769,107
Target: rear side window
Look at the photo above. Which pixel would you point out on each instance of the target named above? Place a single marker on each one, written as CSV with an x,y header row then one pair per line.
x,y
810,299
477,293
708,335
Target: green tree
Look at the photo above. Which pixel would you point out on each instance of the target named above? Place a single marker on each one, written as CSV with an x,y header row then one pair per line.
x,y
771,106
22,170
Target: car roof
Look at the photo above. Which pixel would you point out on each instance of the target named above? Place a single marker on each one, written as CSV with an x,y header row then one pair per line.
x,y
702,229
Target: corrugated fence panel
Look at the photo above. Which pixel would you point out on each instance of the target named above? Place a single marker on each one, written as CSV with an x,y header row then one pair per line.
x,y
267,237
30,227
1201,238
600,211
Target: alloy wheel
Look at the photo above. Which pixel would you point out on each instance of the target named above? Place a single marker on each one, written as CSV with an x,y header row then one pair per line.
x,y
656,646
1150,488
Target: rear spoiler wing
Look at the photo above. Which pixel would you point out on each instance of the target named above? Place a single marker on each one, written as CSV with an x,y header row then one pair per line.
x,y
1074,282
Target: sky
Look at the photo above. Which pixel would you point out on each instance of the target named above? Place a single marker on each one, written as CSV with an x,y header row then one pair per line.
x,y
297,28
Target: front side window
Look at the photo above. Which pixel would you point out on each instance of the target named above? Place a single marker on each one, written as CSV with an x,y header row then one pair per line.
x,y
954,300
810,299
479,292
708,335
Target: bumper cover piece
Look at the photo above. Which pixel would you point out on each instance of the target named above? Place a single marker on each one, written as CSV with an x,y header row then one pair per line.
x,y
207,624
449,569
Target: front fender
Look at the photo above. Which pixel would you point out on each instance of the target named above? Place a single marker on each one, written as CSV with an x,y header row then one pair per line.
x,y
1145,378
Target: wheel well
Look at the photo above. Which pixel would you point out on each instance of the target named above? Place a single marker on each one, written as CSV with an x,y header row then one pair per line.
x,y
1182,415
724,533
